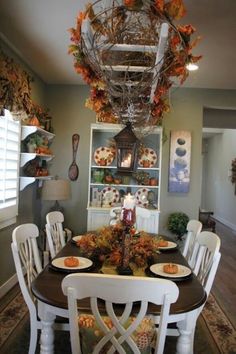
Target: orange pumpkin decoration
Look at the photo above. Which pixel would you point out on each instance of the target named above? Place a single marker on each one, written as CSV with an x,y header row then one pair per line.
x,y
34,121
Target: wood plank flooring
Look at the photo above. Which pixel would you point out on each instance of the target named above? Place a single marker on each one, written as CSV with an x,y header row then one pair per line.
x,y
224,286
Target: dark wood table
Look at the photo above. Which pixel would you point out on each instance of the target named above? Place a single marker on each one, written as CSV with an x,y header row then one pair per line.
x,y
47,289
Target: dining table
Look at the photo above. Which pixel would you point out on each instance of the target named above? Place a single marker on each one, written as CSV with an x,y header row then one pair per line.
x,y
46,287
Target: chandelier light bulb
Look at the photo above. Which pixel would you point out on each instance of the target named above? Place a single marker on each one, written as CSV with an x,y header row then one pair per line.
x,y
192,67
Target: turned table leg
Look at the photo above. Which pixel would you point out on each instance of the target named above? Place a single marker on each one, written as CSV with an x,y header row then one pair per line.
x,y
186,329
47,331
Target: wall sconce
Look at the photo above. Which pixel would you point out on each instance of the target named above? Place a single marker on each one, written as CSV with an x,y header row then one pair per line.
x,y
127,145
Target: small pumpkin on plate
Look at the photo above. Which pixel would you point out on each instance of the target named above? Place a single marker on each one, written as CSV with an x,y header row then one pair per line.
x,y
71,262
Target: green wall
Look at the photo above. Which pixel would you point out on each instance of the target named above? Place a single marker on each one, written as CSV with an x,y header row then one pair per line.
x,y
70,116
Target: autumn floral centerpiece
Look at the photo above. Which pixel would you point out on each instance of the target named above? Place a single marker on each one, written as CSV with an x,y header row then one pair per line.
x,y
106,244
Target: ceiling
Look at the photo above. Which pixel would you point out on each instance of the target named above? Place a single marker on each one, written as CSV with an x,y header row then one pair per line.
x,y
38,32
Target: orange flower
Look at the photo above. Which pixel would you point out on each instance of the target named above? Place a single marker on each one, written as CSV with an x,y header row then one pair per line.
x,y
115,257
187,29
175,9
175,41
129,3
195,59
160,5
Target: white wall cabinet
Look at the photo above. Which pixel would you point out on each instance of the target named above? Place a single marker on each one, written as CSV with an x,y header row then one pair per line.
x,y
25,156
104,194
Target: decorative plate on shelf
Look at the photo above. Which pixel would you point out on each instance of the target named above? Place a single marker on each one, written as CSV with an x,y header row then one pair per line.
x,y
110,196
148,158
141,197
103,156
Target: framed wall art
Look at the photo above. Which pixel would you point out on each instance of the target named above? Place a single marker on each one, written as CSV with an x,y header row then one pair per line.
x,y
180,158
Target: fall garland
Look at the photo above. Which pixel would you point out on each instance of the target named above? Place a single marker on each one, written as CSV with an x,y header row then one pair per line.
x,y
175,59
15,92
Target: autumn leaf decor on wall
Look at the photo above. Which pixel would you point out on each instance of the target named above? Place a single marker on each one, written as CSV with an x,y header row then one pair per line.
x,y
15,90
16,95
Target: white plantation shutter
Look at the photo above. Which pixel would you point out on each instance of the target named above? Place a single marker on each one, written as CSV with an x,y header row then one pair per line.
x,y
9,167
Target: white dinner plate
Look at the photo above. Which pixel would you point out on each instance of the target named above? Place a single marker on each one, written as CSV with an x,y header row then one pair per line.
x,y
83,263
170,246
182,271
77,238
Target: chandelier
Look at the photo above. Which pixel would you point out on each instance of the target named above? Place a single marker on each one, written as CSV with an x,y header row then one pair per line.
x,y
130,52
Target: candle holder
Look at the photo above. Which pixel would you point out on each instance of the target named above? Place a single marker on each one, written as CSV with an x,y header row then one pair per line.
x,y
128,220
128,217
124,268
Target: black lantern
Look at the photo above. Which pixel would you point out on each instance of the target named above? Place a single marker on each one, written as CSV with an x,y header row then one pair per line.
x,y
126,149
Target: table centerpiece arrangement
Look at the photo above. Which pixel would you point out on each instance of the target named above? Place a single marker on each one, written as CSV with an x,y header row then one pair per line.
x,y
106,245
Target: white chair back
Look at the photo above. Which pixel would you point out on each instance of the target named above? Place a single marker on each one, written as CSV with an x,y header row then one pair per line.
x,y
26,258
115,214
54,232
194,227
205,258
113,290
143,216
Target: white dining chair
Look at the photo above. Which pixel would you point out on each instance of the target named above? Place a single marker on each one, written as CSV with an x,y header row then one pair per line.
x,y
115,289
205,252
28,266
143,216
115,214
56,235
194,227
205,261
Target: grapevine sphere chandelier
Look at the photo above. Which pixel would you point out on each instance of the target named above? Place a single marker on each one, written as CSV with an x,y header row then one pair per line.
x,y
131,52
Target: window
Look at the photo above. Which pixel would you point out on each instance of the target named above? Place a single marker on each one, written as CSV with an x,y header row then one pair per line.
x,y
9,168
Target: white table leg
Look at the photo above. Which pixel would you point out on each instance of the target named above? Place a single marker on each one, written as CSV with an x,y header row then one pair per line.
x,y
186,328
47,337
47,331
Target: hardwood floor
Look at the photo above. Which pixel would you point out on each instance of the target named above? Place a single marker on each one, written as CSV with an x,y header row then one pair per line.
x,y
224,286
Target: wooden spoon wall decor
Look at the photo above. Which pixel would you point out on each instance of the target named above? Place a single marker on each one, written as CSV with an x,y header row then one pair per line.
x,y
73,172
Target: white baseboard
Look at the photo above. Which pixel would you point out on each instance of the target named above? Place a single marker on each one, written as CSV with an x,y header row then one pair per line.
x,y
8,285
225,222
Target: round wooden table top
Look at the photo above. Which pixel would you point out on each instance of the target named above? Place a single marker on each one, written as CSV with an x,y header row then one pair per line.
x,y
47,286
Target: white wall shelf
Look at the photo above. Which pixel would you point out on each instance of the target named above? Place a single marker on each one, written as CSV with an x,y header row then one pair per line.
x,y
26,130
25,157
25,181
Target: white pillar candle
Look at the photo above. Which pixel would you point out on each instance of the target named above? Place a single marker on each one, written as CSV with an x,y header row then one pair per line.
x,y
129,202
